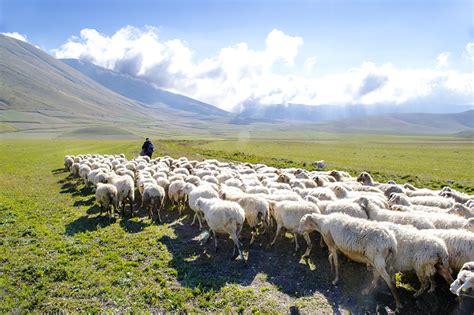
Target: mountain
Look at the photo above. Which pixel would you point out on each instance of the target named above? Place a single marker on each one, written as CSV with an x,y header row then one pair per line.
x,y
42,95
140,90
299,112
461,124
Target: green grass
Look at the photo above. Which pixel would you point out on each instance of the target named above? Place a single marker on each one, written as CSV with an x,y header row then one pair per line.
x,y
57,254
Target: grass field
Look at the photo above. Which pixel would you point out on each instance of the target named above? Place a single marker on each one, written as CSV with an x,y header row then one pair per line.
x,y
56,253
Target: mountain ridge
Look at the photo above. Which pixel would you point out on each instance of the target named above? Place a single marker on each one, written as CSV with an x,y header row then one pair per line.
x,y
140,90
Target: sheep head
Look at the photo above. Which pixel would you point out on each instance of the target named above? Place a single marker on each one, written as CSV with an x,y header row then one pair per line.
x,y
308,223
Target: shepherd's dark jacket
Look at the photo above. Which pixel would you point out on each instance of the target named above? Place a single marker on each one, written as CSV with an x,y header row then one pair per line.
x,y
148,147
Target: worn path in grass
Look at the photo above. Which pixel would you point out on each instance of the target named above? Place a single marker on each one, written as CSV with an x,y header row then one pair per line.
x,y
56,253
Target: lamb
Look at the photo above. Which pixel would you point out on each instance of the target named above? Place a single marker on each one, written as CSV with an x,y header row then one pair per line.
x,y
194,193
433,201
361,240
223,217
460,245
153,198
106,196
125,190
426,254
288,214
177,195
404,218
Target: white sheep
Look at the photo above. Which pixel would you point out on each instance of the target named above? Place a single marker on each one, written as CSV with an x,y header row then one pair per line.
x,y
177,195
287,215
432,201
462,210
125,190
469,226
106,196
350,208
68,162
223,217
460,245
361,240
423,253
457,196
194,193
257,209
153,199
405,218
464,282
84,170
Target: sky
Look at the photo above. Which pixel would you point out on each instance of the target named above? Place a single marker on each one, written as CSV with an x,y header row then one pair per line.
x,y
235,53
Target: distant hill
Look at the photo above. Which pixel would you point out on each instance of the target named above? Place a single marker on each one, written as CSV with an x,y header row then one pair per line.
x,y
40,94
33,82
140,90
461,124
317,113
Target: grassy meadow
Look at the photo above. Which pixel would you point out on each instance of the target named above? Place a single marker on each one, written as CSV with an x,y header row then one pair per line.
x,y
58,254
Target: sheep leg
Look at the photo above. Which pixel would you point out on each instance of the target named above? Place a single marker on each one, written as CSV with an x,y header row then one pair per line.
x,y
101,209
276,235
424,285
131,206
379,265
333,251
158,214
215,242
444,272
237,244
194,218
331,262
199,220
373,284
296,242
308,242
321,242
254,231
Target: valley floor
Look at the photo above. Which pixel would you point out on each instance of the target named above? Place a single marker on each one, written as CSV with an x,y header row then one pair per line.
x,y
57,253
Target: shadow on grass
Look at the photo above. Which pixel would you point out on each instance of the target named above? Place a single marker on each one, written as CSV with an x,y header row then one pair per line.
x,y
87,202
88,223
58,171
199,266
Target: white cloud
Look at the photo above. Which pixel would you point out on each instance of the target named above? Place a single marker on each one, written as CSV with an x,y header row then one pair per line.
x,y
469,51
442,60
309,64
16,35
239,75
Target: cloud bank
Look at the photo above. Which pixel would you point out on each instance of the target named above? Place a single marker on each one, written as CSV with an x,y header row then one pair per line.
x,y
16,35
239,75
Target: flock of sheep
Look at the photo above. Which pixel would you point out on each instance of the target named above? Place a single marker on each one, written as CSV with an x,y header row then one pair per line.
x,y
387,226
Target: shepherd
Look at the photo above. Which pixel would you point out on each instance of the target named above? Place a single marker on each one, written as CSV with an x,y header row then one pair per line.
x,y
147,148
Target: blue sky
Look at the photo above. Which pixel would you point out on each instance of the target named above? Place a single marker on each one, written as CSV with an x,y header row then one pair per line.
x,y
339,35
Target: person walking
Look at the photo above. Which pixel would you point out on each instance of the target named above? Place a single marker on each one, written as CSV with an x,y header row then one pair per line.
x,y
147,148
